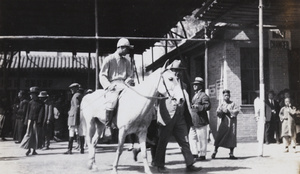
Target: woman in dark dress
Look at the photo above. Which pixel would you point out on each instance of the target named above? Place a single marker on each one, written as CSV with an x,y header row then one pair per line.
x,y
226,134
33,120
19,130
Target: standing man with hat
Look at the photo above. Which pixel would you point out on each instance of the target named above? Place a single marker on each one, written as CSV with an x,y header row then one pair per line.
x,y
272,118
48,118
20,117
116,70
74,118
198,132
174,119
33,120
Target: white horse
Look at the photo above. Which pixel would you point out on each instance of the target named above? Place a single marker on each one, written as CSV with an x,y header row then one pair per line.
x,y
135,104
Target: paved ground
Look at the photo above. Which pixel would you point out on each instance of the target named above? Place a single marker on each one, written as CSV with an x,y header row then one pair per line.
x,y
14,161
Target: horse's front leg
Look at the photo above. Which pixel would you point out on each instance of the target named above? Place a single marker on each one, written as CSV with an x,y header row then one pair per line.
x,y
142,140
119,149
92,139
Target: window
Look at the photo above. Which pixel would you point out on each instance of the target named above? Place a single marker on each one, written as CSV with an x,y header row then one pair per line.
x,y
250,73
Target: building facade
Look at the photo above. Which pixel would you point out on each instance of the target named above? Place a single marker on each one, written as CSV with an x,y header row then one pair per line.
x,y
233,63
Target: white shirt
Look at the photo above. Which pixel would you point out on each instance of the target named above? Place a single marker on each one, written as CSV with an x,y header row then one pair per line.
x,y
257,106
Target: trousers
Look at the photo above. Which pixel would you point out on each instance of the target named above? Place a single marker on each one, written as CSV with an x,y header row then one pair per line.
x,y
198,140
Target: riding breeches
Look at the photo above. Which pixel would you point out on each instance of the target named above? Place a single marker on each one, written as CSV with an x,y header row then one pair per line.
x,y
111,99
112,95
78,129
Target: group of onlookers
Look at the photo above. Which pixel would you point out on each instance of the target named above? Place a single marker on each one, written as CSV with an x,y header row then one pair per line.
x,y
14,120
280,118
35,118
39,119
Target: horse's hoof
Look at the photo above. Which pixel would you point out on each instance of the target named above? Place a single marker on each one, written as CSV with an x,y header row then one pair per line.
x,y
95,168
114,171
90,165
148,171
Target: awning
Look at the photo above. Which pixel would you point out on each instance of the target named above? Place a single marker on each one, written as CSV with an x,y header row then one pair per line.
x,y
276,13
238,14
116,18
36,62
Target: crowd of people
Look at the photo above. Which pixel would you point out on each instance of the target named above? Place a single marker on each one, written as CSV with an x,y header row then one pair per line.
x,y
39,118
36,119
281,114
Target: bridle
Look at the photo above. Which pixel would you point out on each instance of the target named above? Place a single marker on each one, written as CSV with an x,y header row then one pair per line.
x,y
158,97
164,83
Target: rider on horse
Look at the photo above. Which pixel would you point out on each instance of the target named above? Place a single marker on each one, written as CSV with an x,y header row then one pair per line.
x,y
116,70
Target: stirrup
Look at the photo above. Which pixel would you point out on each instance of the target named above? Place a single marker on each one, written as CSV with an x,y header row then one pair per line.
x,y
113,126
213,156
107,132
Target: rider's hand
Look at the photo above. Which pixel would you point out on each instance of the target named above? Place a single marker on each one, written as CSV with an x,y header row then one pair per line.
x,y
130,82
195,106
111,88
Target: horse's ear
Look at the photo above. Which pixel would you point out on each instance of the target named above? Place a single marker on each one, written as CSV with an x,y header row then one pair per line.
x,y
166,64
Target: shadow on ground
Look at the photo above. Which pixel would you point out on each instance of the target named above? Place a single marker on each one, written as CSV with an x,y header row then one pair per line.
x,y
10,158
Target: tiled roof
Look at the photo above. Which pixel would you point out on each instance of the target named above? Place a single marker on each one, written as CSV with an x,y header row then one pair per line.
x,y
49,62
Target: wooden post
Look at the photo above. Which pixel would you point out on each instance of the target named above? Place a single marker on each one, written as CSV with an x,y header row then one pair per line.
x,y
89,70
4,77
261,121
206,77
152,56
97,46
143,67
19,67
206,65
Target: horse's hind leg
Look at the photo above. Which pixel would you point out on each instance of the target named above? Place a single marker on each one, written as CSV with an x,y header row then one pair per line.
x,y
92,139
142,139
119,149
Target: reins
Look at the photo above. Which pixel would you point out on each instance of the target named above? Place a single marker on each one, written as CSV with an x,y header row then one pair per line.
x,y
150,97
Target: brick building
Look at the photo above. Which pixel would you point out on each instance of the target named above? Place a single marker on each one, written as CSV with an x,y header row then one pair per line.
x,y
233,64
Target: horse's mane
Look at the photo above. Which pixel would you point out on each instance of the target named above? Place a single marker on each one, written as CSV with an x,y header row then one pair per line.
x,y
148,82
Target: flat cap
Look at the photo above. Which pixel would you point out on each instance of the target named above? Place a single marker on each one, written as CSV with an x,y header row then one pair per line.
x,y
74,85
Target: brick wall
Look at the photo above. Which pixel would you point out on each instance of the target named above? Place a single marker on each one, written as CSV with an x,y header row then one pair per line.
x,y
246,125
230,51
215,59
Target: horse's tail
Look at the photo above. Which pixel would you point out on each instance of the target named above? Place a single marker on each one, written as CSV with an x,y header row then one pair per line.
x,y
82,123
82,117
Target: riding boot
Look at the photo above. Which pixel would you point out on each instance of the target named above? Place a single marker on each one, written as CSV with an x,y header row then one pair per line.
x,y
78,142
82,144
70,146
109,116
153,151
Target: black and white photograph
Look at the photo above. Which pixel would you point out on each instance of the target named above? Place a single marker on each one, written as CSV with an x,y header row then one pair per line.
x,y
149,86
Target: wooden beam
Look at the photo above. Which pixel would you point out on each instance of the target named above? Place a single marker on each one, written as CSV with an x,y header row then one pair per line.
x,y
95,38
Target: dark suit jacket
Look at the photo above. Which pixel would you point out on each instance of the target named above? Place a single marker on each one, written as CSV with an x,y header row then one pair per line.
x,y
199,113
166,109
272,117
21,112
48,112
74,112
33,112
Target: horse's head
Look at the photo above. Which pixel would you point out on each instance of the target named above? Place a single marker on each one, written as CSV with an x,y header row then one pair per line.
x,y
169,86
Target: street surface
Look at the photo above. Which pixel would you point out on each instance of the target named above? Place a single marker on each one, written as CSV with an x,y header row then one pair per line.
x,y
14,161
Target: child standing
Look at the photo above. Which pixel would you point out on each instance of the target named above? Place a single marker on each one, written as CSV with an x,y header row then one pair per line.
x,y
288,128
